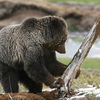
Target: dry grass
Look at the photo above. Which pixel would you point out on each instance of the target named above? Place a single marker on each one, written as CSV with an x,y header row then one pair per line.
x,y
87,77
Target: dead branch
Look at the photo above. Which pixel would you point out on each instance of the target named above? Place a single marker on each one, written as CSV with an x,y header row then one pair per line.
x,y
79,57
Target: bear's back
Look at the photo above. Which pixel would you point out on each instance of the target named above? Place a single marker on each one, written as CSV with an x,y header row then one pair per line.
x,y
7,43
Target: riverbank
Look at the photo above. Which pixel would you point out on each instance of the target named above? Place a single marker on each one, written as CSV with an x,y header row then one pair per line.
x,y
79,16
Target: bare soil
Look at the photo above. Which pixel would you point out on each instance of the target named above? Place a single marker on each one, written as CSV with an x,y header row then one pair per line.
x,y
20,15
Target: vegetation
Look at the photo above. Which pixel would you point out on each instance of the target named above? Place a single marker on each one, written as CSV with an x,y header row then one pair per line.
x,y
85,1
78,39
74,28
89,63
87,77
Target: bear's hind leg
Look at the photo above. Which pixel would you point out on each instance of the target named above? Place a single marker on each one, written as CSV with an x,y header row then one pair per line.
x,y
9,81
33,87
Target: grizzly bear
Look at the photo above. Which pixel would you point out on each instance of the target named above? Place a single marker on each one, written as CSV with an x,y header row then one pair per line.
x,y
27,53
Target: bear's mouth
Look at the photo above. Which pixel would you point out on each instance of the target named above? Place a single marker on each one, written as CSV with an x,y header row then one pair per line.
x,y
60,47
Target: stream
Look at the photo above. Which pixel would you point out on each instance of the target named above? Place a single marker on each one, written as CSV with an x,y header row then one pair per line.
x,y
72,47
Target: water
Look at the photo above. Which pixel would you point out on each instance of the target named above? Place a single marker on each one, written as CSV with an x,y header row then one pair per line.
x,y
73,46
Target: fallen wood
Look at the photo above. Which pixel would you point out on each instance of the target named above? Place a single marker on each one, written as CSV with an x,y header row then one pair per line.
x,y
78,58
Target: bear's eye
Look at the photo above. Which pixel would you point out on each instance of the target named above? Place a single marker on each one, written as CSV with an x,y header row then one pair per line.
x,y
61,42
57,44
64,40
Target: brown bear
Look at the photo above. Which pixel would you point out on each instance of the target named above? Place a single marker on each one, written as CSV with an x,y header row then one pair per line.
x,y
27,53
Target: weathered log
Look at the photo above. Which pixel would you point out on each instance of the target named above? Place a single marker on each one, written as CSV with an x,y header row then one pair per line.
x,y
70,73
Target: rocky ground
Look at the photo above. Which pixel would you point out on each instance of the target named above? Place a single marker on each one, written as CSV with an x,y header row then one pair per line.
x,y
79,16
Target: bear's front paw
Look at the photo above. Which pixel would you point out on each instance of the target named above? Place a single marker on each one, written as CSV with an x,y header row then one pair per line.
x,y
57,84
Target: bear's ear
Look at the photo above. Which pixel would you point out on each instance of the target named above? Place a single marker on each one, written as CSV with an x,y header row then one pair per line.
x,y
30,22
56,23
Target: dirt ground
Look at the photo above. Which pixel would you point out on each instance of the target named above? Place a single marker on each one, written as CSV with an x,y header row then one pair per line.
x,y
19,16
46,95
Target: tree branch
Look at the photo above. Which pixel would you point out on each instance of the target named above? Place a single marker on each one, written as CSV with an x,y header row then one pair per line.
x,y
70,73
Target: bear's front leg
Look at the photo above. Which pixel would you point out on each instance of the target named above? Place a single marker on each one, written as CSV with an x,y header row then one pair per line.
x,y
36,70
